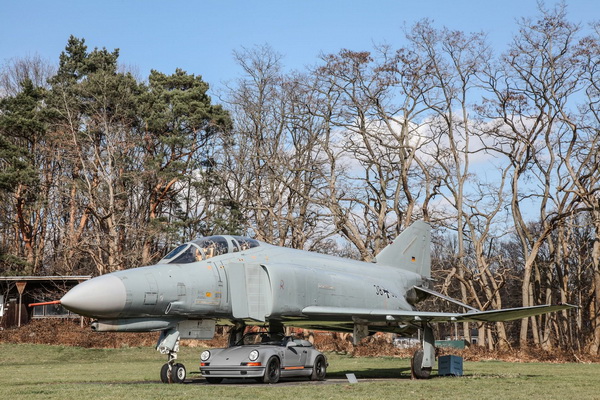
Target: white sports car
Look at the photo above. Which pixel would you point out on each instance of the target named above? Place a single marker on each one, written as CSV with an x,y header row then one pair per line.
x,y
264,357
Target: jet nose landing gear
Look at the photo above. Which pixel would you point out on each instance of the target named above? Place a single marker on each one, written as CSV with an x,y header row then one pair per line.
x,y
168,344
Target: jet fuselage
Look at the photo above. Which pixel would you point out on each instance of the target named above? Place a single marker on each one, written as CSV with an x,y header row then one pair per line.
x,y
263,282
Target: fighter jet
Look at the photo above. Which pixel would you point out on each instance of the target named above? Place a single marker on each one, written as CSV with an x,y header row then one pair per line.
x,y
238,281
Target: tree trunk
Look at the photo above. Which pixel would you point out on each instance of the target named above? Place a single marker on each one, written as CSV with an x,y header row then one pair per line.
x,y
595,316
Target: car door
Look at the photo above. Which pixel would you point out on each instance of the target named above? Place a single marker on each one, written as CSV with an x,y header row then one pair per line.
x,y
295,356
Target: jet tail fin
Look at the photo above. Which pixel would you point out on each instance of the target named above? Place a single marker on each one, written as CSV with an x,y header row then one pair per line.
x,y
410,250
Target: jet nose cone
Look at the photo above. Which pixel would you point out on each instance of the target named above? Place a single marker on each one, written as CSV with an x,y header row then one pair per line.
x,y
103,296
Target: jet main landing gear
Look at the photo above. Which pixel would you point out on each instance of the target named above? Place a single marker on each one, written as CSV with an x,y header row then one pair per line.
x,y
423,359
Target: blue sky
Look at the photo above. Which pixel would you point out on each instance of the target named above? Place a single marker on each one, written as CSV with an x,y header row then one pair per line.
x,y
199,36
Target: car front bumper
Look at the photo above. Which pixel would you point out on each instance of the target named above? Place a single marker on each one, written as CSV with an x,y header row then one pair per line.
x,y
238,371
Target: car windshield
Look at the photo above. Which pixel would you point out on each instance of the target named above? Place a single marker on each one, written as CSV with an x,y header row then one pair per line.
x,y
263,338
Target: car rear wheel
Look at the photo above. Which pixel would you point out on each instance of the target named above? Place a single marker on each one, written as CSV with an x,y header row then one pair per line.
x,y
272,372
319,369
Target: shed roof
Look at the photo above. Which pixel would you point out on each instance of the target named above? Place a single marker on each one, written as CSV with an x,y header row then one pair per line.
x,y
45,278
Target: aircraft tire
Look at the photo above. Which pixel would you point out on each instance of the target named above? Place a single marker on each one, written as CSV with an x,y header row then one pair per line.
x,y
272,371
417,371
164,373
178,373
319,369
214,381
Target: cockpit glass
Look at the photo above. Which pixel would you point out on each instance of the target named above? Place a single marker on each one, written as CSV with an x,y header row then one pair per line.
x,y
190,255
208,247
174,252
246,243
212,246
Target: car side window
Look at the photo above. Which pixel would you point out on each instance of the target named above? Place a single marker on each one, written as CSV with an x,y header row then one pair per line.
x,y
302,342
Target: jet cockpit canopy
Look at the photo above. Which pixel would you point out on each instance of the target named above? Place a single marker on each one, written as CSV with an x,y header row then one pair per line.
x,y
207,247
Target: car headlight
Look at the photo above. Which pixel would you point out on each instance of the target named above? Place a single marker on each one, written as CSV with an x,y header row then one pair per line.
x,y
205,355
253,356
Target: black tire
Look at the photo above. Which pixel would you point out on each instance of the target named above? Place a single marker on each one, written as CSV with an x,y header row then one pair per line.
x,y
319,369
272,371
164,374
178,373
417,370
212,380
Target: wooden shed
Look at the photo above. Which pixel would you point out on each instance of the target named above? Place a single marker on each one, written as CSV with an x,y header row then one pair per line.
x,y
16,292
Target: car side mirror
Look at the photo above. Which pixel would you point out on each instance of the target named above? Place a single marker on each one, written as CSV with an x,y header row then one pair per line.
x,y
291,343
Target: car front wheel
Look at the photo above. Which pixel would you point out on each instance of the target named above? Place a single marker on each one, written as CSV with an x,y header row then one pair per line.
x,y
272,372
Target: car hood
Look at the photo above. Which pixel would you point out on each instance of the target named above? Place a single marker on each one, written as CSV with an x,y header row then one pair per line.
x,y
234,354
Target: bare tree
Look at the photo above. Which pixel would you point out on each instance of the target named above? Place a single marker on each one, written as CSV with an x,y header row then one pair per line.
x,y
581,161
15,71
531,88
272,163
371,107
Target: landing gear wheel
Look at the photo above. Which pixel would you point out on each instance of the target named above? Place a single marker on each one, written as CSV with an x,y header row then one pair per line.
x,y
319,369
213,380
165,373
272,371
178,373
417,371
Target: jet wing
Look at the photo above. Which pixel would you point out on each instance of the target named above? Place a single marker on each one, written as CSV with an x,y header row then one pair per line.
x,y
378,315
510,314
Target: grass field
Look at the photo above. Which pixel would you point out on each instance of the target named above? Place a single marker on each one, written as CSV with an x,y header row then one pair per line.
x,y
57,372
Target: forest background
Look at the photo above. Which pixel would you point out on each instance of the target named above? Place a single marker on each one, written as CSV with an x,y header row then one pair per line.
x,y
102,170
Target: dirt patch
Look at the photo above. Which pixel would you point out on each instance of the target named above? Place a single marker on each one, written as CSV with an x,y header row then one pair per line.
x,y
70,333
380,345
532,354
372,346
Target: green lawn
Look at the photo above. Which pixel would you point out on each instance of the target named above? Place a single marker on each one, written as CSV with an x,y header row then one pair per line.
x,y
57,372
